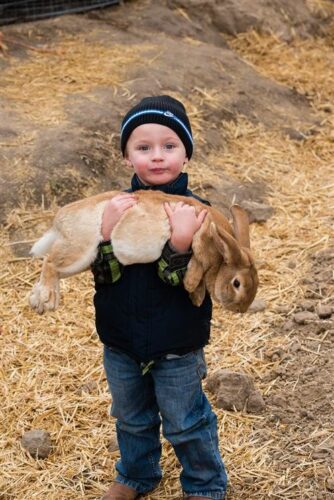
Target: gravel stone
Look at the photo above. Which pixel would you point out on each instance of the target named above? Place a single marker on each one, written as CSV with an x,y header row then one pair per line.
x,y
324,312
37,442
304,317
258,305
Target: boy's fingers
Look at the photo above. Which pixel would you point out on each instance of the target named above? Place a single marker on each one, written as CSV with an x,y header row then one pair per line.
x,y
123,196
177,205
127,200
125,206
202,215
121,202
168,209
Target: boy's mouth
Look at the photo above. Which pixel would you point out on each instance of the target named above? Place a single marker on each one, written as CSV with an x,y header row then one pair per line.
x,y
158,170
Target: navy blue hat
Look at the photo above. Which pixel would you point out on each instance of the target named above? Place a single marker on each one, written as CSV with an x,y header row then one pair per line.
x,y
164,110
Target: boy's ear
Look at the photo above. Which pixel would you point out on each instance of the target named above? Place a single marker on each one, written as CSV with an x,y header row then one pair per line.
x,y
127,161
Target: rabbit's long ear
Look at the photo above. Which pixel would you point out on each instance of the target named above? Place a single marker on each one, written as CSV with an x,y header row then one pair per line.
x,y
241,225
226,245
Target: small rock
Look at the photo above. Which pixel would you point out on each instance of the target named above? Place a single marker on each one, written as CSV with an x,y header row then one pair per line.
x,y
330,484
319,454
275,354
278,400
280,371
255,403
113,445
88,388
324,311
294,134
37,442
288,325
283,309
307,305
235,391
292,264
307,414
304,317
274,418
258,305
249,480
257,212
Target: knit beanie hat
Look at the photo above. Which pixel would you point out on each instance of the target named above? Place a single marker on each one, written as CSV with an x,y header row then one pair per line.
x,y
164,110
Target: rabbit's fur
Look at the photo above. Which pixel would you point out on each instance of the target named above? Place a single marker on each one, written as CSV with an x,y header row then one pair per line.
x,y
221,262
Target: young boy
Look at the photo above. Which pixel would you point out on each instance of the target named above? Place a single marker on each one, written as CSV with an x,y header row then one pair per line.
x,y
153,335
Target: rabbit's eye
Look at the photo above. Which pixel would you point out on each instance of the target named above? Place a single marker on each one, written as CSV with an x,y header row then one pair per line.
x,y
236,283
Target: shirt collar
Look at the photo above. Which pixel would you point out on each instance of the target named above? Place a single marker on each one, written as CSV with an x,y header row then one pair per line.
x,y
178,186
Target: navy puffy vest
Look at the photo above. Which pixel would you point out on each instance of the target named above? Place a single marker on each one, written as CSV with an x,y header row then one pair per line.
x,y
145,317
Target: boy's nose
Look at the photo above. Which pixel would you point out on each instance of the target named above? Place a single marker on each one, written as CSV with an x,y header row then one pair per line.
x,y
157,154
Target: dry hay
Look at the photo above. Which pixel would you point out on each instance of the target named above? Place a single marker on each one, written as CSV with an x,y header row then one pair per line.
x,y
39,85
51,367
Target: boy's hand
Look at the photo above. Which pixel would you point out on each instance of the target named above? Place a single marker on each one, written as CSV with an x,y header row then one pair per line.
x,y
114,210
184,224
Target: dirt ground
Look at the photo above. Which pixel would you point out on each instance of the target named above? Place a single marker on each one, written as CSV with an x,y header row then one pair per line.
x,y
257,79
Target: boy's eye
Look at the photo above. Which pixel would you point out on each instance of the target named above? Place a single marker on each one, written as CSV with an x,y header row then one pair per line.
x,y
169,146
143,147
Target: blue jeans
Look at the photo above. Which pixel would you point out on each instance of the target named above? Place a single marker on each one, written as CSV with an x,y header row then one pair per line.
x,y
171,393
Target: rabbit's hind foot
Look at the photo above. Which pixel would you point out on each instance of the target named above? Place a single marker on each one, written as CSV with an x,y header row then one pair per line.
x,y
44,298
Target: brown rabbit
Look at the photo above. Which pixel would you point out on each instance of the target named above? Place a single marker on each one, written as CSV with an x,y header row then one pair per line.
x,y
221,261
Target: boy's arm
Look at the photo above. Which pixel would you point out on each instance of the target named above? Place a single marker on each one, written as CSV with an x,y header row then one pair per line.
x,y
177,253
172,265
106,268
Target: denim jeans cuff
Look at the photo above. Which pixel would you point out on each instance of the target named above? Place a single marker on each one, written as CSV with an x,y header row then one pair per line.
x,y
215,495
133,484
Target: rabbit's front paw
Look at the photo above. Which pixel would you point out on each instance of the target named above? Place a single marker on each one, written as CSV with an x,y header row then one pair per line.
x,y
198,295
43,298
191,279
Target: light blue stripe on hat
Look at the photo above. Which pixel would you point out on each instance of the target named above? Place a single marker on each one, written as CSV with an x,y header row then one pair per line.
x,y
168,114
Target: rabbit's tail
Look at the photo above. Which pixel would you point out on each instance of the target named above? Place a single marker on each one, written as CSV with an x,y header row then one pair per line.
x,y
43,245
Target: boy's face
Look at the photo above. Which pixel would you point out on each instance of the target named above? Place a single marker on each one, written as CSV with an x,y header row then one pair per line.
x,y
156,154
